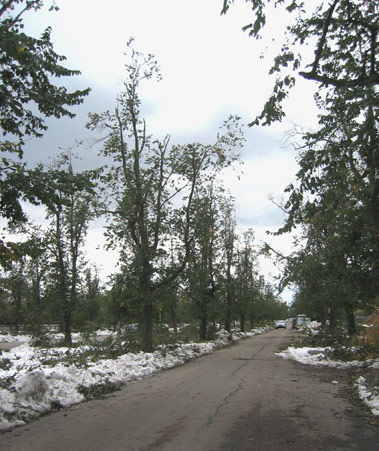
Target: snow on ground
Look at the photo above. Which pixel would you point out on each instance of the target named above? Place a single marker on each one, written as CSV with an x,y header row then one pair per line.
x,y
8,338
34,380
370,398
316,356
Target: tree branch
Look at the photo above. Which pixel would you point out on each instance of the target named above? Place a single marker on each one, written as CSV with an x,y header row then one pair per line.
x,y
323,37
372,79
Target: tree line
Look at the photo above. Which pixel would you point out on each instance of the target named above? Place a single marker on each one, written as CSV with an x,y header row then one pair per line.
x,y
334,203
167,212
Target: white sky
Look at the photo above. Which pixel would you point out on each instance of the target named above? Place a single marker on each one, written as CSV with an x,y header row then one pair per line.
x,y
210,69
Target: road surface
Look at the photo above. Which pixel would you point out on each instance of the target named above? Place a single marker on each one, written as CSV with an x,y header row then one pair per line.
x,y
239,398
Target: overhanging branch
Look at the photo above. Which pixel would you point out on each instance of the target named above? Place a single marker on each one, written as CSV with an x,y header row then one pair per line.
x,y
342,83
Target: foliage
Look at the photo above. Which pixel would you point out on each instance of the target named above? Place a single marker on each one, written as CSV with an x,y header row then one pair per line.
x,y
97,391
189,333
343,34
27,67
335,200
153,187
203,270
341,346
371,333
28,95
49,259
90,311
5,364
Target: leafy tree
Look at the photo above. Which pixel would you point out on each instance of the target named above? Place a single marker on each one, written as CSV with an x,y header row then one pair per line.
x,y
337,190
28,95
35,254
247,281
203,271
332,267
153,187
31,256
337,194
274,308
27,66
343,34
228,237
17,289
73,207
90,310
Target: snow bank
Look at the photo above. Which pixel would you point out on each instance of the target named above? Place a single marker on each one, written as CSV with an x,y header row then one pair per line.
x,y
316,356
39,380
369,397
8,338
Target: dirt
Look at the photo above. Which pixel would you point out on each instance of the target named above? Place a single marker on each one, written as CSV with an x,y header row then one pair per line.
x,y
240,398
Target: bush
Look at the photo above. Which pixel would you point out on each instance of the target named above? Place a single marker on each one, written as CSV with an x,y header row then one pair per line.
x,y
324,338
343,347
371,335
189,333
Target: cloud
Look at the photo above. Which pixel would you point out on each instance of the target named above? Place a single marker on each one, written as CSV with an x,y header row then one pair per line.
x,y
210,69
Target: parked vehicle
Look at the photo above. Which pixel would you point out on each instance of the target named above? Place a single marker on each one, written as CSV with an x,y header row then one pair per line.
x,y
281,324
302,320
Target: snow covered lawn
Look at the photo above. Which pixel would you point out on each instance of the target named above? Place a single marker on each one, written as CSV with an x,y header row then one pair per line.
x,y
34,380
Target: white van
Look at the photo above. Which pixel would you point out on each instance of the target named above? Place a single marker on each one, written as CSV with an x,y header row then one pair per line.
x,y
302,320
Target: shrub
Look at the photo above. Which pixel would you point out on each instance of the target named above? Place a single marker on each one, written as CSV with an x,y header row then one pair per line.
x,y
371,335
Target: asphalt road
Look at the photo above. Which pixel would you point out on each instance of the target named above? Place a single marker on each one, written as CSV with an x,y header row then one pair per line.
x,y
239,398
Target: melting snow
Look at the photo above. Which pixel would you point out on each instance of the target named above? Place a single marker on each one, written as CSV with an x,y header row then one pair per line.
x,y
36,387
316,356
31,386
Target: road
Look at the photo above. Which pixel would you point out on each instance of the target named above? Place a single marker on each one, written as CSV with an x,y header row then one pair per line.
x,y
239,398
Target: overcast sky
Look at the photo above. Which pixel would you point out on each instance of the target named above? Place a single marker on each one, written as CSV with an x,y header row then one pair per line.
x,y
210,69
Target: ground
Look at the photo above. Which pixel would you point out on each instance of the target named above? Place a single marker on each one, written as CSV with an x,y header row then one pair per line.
x,y
242,397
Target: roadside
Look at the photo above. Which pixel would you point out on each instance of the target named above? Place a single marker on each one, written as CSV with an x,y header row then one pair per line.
x,y
35,381
242,397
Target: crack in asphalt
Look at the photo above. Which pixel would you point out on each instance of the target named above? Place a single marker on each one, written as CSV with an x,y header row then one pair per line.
x,y
225,402
240,385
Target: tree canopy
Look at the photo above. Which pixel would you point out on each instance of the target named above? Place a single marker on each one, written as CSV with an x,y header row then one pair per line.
x,y
28,67
343,35
29,93
335,199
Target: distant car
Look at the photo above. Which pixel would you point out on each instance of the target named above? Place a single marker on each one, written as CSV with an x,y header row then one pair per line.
x,y
279,324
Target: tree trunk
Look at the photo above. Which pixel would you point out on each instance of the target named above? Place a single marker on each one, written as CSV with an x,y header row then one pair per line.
x,y
350,320
332,320
174,318
67,324
145,299
227,317
203,325
147,326
242,322
36,305
17,296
